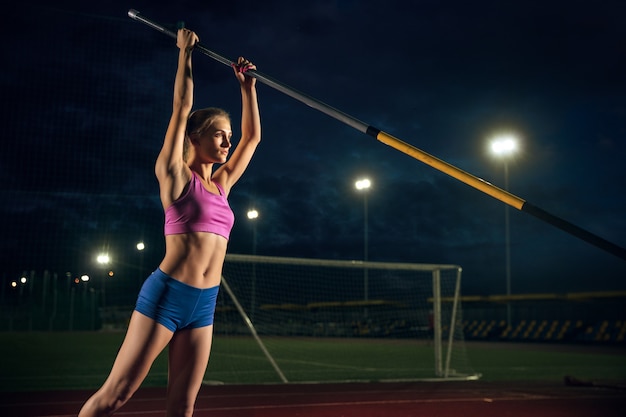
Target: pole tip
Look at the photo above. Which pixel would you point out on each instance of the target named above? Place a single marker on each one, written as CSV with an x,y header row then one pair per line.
x,y
132,13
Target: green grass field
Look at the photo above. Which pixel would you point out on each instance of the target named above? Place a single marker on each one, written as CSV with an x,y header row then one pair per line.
x,y
81,360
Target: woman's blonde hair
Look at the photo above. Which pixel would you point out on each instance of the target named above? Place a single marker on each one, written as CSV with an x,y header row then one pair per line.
x,y
199,122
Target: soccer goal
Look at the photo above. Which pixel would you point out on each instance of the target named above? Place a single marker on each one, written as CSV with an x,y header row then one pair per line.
x,y
314,320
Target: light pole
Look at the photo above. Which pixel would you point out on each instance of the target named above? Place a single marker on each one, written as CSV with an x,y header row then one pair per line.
x,y
504,146
363,186
141,248
253,215
103,259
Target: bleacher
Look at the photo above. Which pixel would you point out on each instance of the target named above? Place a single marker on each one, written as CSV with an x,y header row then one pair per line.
x,y
566,331
583,317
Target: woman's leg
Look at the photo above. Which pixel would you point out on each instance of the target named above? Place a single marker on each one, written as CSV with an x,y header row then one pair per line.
x,y
143,342
188,359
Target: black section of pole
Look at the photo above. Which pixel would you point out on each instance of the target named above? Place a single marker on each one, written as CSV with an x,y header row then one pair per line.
x,y
372,131
574,230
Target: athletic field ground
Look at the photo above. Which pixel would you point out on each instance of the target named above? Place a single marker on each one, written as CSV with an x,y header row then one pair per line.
x,y
51,374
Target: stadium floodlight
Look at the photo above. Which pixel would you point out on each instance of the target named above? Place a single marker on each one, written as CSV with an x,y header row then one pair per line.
x,y
504,145
363,184
252,214
103,259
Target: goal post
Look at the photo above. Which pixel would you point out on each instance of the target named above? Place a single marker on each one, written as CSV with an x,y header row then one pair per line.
x,y
281,319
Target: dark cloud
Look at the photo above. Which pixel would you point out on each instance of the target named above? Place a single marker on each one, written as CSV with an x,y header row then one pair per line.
x,y
88,95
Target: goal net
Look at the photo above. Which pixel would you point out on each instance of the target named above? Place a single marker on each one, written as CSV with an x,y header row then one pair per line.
x,y
314,320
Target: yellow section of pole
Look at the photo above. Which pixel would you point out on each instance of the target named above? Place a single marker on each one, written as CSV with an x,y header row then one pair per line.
x,y
451,170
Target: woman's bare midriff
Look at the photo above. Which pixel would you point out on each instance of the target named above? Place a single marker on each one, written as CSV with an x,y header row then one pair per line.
x,y
195,258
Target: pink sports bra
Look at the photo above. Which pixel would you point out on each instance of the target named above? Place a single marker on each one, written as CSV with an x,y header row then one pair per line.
x,y
198,210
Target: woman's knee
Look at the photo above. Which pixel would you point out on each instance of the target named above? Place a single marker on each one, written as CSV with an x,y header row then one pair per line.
x,y
114,395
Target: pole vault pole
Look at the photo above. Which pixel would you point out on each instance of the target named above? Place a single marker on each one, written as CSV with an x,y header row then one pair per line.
x,y
410,150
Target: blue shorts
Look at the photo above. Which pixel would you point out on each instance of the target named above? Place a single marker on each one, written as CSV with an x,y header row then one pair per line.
x,y
175,304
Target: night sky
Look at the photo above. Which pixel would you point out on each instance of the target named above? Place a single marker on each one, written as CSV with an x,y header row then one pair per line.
x,y
87,95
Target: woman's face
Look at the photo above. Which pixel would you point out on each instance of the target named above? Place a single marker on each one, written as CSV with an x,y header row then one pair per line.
x,y
215,143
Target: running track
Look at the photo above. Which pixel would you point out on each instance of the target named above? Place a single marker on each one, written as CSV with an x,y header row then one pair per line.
x,y
405,399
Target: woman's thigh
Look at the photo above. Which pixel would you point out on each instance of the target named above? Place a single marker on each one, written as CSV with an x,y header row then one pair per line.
x,y
189,352
144,341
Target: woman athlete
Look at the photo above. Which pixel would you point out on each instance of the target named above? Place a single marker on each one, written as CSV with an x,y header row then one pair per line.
x,y
176,303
